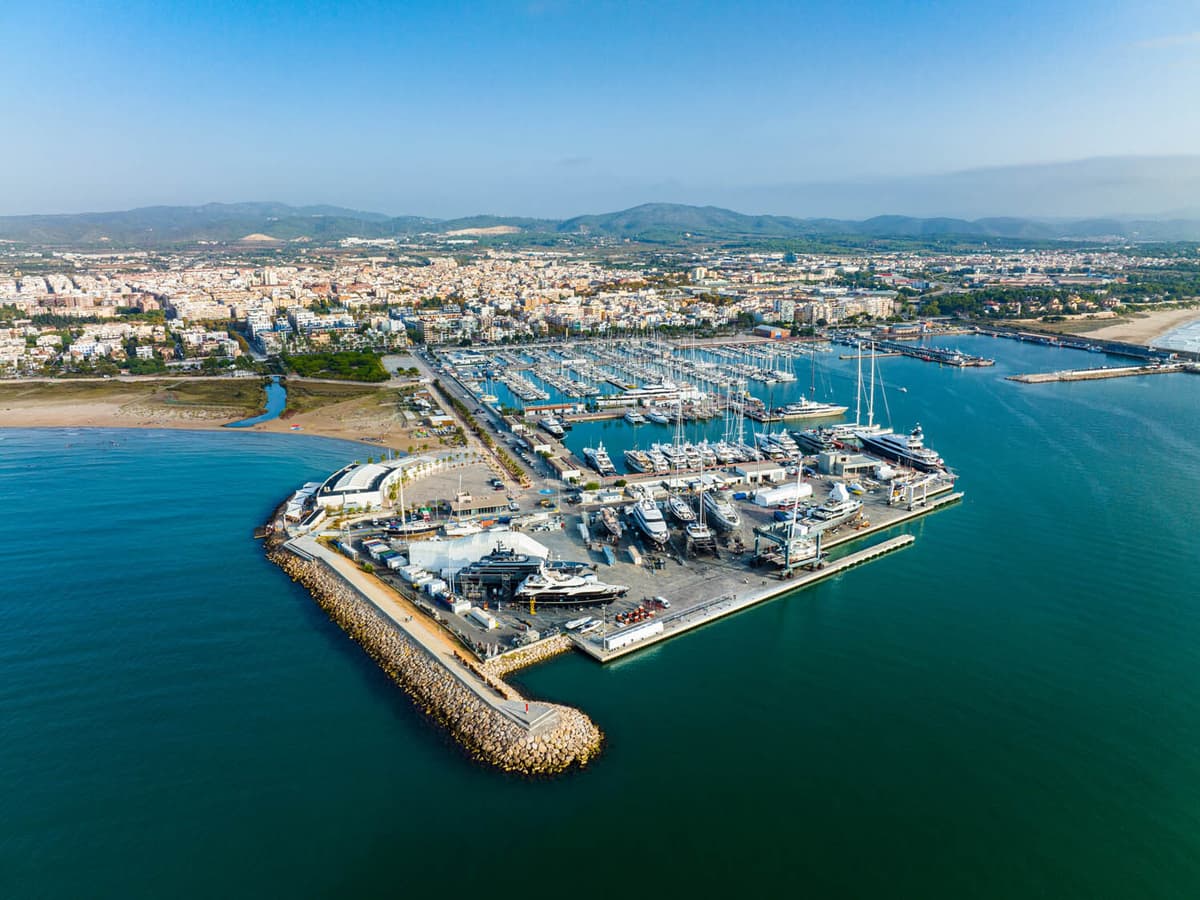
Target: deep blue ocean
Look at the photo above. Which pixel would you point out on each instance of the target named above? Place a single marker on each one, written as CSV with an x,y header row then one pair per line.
x,y
1009,708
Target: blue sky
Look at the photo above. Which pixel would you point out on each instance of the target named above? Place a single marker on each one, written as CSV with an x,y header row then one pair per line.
x,y
554,107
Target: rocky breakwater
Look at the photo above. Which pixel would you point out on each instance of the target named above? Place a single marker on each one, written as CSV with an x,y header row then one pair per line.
x,y
487,732
515,660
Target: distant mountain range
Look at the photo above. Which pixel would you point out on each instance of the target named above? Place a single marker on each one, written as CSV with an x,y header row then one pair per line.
x,y
657,222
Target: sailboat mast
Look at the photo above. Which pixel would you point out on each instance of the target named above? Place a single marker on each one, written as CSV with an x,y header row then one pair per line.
x,y
858,390
871,398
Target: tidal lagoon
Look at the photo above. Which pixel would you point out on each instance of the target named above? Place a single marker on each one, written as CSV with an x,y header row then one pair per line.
x,y
1008,708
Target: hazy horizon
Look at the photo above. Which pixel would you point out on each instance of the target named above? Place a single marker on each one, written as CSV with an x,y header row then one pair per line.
x,y
1117,187
556,108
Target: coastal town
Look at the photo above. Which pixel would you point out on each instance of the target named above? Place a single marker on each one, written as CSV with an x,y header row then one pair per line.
x,y
592,448
232,308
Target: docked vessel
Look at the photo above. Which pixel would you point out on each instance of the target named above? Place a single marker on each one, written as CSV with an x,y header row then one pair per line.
x,y
679,508
777,444
638,461
659,416
548,586
552,425
633,417
811,409
817,440
905,449
597,457
720,510
649,520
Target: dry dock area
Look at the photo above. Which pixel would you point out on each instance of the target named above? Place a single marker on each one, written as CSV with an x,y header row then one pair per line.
x,y
706,611
698,588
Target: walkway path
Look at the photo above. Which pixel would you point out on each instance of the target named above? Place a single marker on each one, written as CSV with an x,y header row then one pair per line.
x,y
412,622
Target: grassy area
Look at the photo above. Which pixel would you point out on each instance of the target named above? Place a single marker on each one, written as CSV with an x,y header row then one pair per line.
x,y
245,395
306,396
347,365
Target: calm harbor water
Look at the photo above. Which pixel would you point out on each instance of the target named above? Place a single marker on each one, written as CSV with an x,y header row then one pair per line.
x,y
1009,708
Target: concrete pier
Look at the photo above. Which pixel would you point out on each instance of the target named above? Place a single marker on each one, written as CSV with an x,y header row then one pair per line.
x,y
1105,372
693,617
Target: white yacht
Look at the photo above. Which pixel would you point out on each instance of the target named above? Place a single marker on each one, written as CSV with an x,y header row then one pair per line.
x,y
649,520
680,509
721,511
597,457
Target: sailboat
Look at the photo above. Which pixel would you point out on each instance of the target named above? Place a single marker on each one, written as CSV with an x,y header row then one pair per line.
x,y
698,531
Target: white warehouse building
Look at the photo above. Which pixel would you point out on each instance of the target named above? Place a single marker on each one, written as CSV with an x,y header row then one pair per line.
x,y
366,485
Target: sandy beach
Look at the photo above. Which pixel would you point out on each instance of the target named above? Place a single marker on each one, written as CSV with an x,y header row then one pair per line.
x,y
1142,328
348,411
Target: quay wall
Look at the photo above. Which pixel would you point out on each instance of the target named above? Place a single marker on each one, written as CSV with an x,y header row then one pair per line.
x,y
1098,374
483,730
527,656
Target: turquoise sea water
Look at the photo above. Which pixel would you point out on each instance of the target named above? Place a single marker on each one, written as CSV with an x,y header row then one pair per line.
x,y
1011,707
